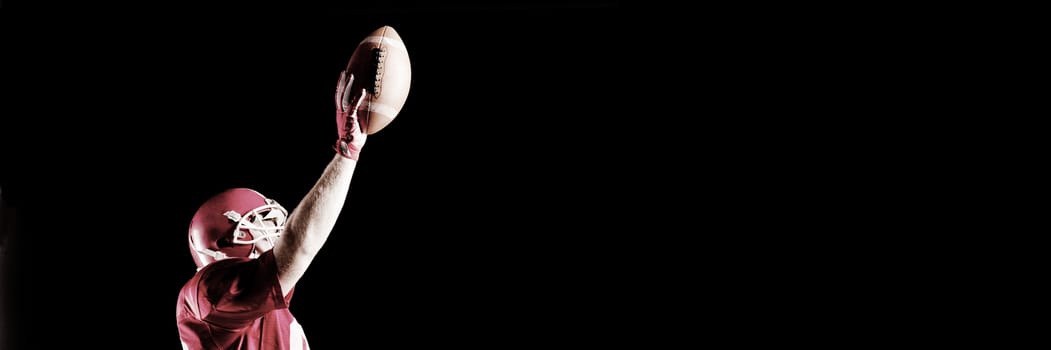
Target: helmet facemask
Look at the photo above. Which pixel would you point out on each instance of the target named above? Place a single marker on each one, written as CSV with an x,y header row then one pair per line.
x,y
263,223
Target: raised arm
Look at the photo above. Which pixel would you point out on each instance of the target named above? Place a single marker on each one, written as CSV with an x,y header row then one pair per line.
x,y
312,220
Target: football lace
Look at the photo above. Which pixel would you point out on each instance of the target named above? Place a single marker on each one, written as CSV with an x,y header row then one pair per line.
x,y
378,56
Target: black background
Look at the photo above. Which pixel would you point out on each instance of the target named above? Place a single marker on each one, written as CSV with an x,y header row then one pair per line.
x,y
491,212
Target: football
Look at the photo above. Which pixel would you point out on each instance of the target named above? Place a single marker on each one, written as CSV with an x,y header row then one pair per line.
x,y
380,65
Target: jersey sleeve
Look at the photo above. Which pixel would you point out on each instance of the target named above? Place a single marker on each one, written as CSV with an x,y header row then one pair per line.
x,y
235,292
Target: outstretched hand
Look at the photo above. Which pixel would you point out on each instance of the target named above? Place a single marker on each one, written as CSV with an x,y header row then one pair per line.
x,y
351,129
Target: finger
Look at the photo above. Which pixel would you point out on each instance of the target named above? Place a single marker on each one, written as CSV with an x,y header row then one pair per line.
x,y
346,91
360,124
340,87
364,95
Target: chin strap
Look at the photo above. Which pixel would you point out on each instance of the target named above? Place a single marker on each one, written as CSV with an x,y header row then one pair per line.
x,y
213,254
220,255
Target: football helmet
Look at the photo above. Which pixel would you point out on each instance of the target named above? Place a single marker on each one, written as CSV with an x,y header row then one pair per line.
x,y
230,223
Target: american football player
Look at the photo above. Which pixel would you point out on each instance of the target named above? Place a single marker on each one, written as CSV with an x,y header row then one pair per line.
x,y
250,252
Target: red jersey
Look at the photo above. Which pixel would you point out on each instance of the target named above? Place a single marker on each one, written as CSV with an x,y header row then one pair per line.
x,y
236,303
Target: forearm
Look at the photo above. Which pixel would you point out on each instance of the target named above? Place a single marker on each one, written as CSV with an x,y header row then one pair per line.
x,y
311,222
